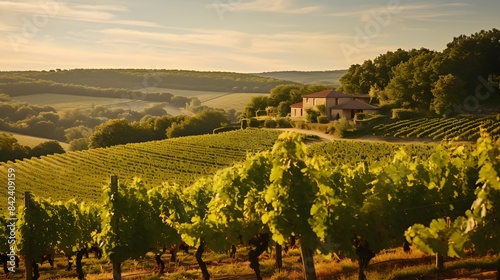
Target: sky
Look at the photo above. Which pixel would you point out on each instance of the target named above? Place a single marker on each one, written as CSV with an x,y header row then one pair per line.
x,y
245,36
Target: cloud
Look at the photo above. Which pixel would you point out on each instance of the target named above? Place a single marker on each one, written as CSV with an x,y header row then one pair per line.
x,y
267,6
31,11
428,11
435,12
218,50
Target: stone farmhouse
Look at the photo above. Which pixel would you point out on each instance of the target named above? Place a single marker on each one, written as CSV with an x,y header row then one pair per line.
x,y
337,104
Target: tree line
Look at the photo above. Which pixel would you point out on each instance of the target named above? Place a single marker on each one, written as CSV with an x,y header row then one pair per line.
x,y
31,86
133,79
435,82
149,128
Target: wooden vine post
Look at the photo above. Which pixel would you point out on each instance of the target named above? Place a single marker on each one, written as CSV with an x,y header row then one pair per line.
x,y
307,255
115,223
29,256
279,257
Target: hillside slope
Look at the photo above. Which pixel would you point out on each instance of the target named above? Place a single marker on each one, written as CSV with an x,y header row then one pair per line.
x,y
136,79
307,77
81,175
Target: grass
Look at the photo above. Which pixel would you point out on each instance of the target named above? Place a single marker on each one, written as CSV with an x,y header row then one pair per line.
x,y
237,101
64,102
222,100
215,99
391,265
32,141
307,77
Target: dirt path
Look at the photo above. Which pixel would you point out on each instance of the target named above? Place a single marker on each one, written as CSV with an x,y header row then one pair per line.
x,y
368,138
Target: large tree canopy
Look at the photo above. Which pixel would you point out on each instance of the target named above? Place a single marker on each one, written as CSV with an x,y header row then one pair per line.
x,y
405,79
446,90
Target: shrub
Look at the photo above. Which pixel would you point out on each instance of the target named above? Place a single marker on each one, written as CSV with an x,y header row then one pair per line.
x,y
341,127
254,122
312,115
283,122
359,116
323,119
270,123
261,113
300,124
330,129
404,114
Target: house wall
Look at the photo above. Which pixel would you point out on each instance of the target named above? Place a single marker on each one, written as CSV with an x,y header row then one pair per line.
x,y
347,114
296,113
334,112
329,103
309,103
312,103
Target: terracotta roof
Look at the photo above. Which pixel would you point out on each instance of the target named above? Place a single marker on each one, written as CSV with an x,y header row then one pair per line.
x,y
297,105
355,105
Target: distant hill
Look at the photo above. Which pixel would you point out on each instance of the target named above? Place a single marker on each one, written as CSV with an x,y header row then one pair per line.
x,y
307,77
138,79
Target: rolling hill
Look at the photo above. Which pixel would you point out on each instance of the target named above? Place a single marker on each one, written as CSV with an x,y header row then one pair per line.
x,y
307,77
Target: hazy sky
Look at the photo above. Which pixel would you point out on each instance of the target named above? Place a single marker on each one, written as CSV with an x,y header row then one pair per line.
x,y
228,35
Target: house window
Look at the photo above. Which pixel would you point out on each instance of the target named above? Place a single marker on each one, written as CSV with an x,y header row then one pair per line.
x,y
314,101
336,101
300,112
307,100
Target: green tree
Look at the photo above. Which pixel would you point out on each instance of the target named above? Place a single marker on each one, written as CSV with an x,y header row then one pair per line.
x,y
472,57
385,64
256,103
77,132
202,123
412,82
112,132
79,144
47,148
10,149
447,91
155,110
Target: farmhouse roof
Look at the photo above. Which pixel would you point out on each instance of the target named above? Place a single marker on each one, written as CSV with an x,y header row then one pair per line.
x,y
355,105
297,105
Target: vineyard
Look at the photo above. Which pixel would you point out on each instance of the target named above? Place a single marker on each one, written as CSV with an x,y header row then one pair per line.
x,y
355,152
179,160
182,160
442,198
463,128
